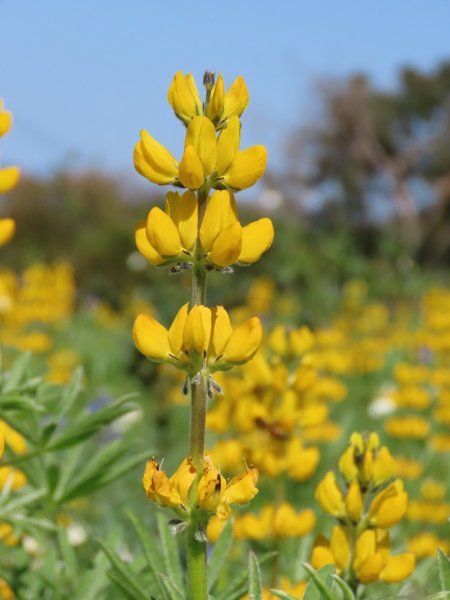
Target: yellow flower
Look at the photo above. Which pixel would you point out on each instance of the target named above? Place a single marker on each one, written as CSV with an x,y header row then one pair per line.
x,y
185,100
171,236
206,159
199,338
371,559
6,592
354,503
212,494
7,230
389,506
329,495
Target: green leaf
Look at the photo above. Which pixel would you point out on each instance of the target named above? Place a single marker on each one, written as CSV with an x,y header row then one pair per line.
x,y
150,549
319,587
170,551
104,476
347,593
283,595
89,424
219,554
170,588
444,571
238,585
254,578
17,402
17,372
123,586
69,558
123,574
91,583
70,393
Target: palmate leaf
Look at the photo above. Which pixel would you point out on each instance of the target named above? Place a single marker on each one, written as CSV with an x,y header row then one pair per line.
x,y
19,402
172,591
219,554
254,578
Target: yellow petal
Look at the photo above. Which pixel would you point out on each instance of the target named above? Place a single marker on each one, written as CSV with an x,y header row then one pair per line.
x,y
144,168
227,246
321,554
158,159
246,168
242,488
216,102
151,338
244,342
5,121
177,328
183,210
236,98
9,178
191,172
144,246
221,330
7,230
329,495
197,330
220,212
365,547
347,464
257,237
228,144
398,568
354,501
370,570
340,546
162,233
389,506
183,96
201,134
383,466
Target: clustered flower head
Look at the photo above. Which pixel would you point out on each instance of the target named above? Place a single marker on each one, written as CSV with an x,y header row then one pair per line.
x,y
173,236
366,506
199,339
9,177
212,494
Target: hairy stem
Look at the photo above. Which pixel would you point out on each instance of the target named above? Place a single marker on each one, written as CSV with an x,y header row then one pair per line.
x,y
196,558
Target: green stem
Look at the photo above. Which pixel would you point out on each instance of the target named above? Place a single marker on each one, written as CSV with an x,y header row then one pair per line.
x,y
198,419
196,550
196,557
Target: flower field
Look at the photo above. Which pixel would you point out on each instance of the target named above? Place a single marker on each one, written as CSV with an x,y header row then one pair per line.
x,y
281,440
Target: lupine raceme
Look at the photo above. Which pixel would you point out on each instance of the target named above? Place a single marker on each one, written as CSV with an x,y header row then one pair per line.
x,y
201,232
366,506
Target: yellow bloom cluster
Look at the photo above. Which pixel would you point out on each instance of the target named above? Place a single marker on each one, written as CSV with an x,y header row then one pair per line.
x,y
200,339
212,494
276,402
365,508
171,236
9,177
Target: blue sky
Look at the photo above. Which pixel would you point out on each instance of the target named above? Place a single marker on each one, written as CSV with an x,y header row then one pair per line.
x,y
83,77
